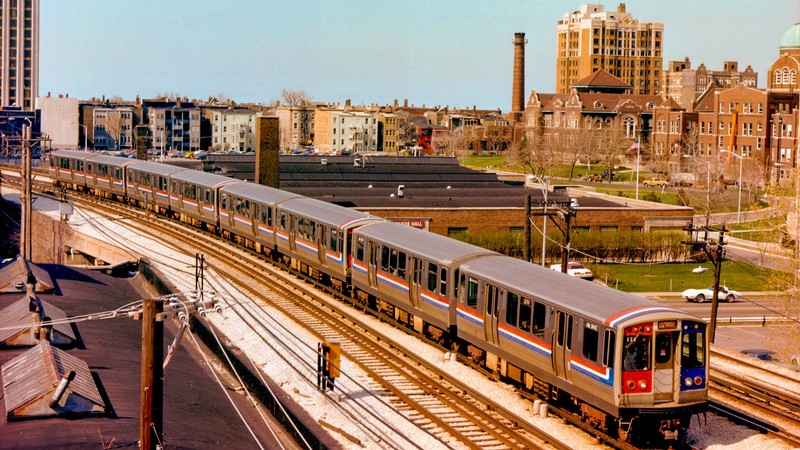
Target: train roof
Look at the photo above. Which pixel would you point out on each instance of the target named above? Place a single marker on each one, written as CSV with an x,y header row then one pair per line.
x,y
425,244
258,192
589,299
111,160
154,167
72,154
324,212
203,178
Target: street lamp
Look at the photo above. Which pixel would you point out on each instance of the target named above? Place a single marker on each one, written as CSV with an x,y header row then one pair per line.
x,y
739,209
85,135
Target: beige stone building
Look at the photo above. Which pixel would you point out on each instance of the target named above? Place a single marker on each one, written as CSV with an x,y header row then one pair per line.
x,y
592,39
685,85
19,64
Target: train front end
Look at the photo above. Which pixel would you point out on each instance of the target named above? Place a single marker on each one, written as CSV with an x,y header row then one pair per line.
x,y
663,375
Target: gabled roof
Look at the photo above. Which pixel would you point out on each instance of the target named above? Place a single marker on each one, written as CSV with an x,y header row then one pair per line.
x,y
601,79
14,275
595,102
30,379
17,328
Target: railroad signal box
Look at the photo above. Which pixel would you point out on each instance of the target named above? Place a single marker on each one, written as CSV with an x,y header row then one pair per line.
x,y
329,356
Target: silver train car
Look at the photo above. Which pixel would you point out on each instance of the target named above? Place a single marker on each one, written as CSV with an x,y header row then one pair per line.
x,y
622,362
629,363
409,274
318,236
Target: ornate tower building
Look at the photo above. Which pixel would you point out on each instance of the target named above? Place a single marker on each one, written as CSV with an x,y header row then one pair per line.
x,y
591,39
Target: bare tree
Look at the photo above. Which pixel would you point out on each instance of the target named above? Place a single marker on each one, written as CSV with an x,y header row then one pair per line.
x,y
407,133
169,95
294,97
612,145
534,151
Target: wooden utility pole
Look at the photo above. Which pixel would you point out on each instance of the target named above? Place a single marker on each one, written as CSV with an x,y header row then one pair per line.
x,y
151,424
715,253
527,249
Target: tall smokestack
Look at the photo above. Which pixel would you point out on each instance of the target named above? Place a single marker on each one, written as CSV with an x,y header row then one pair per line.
x,y
518,87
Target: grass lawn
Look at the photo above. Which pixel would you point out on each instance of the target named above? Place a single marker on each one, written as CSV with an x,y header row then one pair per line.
x,y
676,277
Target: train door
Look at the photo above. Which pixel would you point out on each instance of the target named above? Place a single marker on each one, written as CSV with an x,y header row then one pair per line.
x,y
224,203
665,382
416,281
562,344
291,232
372,270
322,239
492,302
91,177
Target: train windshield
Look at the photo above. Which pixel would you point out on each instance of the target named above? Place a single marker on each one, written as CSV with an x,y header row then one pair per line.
x,y
693,350
637,353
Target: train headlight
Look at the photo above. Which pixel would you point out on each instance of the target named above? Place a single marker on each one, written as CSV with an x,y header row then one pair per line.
x,y
642,384
698,381
631,384
688,382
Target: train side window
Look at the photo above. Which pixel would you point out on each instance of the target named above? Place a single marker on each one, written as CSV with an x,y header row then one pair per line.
x,y
208,196
282,220
89,168
64,163
401,265
117,173
393,256
193,192
525,314
360,249
335,240
472,293
443,281
223,203
385,258
539,316
269,215
79,166
512,303
432,277
590,341
248,209
162,184
609,341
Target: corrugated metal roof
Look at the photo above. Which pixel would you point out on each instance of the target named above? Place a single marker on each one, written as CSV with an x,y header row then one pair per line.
x,y
35,374
14,274
18,315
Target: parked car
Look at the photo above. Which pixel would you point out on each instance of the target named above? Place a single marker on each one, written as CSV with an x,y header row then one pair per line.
x,y
655,182
701,295
760,353
575,269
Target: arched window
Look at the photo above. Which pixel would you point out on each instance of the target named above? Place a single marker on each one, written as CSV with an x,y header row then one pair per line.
x,y
630,126
777,77
794,77
785,76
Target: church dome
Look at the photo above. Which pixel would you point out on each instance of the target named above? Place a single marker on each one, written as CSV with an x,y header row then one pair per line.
x,y
791,38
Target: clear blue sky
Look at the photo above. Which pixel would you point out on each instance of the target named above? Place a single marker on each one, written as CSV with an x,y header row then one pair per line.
x,y
456,53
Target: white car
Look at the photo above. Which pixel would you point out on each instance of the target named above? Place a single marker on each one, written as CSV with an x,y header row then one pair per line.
x,y
701,295
575,269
